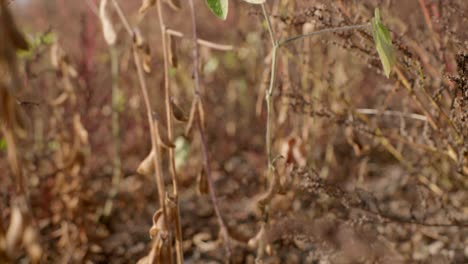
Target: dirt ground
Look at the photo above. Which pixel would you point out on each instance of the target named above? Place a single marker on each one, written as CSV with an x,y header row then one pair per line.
x,y
369,169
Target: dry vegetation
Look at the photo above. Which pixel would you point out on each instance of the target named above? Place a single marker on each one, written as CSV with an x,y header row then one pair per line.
x,y
122,141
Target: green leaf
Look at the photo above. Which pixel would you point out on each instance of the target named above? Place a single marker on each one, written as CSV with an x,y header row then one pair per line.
x,y
218,7
257,2
383,43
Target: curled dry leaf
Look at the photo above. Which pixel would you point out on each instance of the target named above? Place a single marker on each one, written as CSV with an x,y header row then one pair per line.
x,y
203,187
178,113
146,167
174,4
145,5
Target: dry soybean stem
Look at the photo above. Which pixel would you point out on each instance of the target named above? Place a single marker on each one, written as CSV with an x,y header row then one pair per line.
x,y
206,158
154,142
170,133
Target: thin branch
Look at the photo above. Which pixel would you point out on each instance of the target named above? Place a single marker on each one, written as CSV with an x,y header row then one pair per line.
x,y
202,42
369,111
270,27
323,31
123,18
206,157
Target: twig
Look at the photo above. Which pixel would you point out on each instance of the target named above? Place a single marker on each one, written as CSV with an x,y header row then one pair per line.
x,y
206,158
323,31
200,41
368,111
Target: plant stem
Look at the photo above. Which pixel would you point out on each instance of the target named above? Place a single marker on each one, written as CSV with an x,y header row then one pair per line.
x,y
152,124
170,134
323,31
202,42
117,162
200,126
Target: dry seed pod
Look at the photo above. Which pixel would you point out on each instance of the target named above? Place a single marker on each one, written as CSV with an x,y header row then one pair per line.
x,y
203,187
178,113
172,51
146,167
107,27
163,138
174,4
145,5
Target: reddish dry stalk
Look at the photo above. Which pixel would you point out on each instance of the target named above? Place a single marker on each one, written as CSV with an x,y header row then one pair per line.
x,y
170,134
200,126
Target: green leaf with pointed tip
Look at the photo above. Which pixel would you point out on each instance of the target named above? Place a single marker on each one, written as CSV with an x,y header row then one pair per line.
x,y
218,7
383,43
255,1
